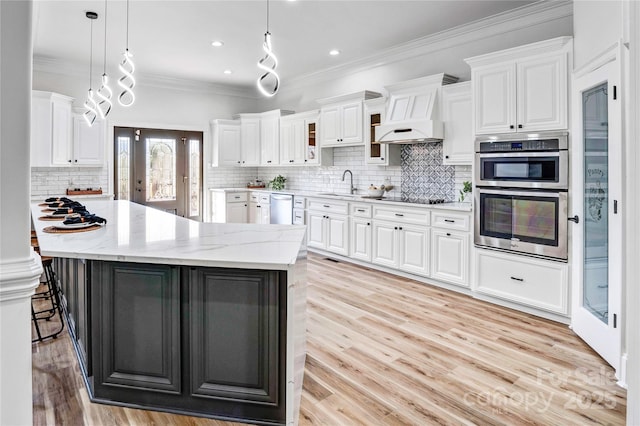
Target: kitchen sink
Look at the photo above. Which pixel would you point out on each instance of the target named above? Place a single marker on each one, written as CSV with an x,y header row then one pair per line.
x,y
334,194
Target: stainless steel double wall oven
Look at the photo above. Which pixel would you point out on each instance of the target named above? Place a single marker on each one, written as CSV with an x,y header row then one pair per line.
x,y
521,193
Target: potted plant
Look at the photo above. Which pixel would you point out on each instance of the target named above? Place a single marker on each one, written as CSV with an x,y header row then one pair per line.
x,y
277,183
466,189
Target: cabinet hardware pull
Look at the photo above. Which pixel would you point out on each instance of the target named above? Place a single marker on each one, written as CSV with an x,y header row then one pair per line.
x,y
574,219
519,126
368,224
381,159
446,156
238,161
402,130
324,205
258,206
69,160
243,161
395,227
360,210
512,126
450,221
448,234
268,161
399,215
517,279
400,228
615,205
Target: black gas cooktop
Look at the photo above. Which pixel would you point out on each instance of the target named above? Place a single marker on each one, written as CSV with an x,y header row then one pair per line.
x,y
417,201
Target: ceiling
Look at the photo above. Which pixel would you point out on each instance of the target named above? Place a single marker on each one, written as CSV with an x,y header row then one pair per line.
x,y
173,38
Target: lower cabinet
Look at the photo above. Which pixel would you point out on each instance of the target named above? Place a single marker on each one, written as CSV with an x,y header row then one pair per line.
x,y
328,232
404,247
450,256
529,281
190,339
360,239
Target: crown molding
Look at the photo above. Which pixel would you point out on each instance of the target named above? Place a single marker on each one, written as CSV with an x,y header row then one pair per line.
x,y
57,66
522,17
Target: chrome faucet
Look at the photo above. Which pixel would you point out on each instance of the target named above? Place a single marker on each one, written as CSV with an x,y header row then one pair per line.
x,y
352,188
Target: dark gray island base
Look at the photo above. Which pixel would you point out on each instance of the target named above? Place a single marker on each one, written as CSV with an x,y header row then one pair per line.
x,y
206,341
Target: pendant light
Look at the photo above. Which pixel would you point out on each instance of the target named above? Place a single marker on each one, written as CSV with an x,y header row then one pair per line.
x,y
90,104
104,93
127,68
270,70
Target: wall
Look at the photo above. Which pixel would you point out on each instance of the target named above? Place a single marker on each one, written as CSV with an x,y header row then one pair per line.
x,y
607,17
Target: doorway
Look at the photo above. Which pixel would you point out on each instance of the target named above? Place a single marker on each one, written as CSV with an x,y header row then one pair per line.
x,y
160,169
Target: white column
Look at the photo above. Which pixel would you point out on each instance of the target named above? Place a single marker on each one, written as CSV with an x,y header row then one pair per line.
x,y
19,266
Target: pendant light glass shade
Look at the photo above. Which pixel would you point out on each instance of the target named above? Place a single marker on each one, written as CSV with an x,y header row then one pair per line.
x,y
90,103
104,93
268,64
127,82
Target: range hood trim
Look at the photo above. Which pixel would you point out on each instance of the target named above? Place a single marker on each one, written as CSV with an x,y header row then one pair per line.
x,y
422,132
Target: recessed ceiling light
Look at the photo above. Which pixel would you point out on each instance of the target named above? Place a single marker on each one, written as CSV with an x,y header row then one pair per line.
x,y
334,52
228,71
217,43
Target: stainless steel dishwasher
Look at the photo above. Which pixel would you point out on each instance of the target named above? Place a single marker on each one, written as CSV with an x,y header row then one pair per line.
x,y
281,209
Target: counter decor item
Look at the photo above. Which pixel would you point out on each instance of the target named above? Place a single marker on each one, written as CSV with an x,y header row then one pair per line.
x,y
375,191
277,183
87,191
465,193
256,184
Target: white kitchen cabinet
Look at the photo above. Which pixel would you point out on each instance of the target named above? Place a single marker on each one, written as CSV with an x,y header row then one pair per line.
x,y
88,142
60,138
538,283
250,128
328,226
225,151
341,119
259,208
456,106
298,140
401,246
522,89
450,256
360,241
376,153
229,206
270,138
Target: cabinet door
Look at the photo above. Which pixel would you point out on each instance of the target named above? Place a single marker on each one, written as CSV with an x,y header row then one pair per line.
x,y
457,146
338,234
360,240
287,142
265,214
374,153
227,145
310,145
88,142
237,213
254,212
40,132
330,125
316,230
542,93
62,133
270,141
494,91
385,244
250,129
351,123
450,256
299,143
413,253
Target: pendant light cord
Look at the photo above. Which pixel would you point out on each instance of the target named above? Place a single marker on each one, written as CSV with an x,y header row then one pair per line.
x,y
104,70
127,47
267,15
90,53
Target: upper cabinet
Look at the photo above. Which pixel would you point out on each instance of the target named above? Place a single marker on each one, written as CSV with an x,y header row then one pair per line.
x,y
457,145
522,89
226,143
270,138
58,138
250,140
377,153
298,140
341,119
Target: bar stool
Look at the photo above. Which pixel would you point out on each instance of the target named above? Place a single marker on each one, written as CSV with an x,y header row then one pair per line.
x,y
46,301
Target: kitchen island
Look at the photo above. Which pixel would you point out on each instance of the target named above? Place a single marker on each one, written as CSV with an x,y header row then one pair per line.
x,y
176,315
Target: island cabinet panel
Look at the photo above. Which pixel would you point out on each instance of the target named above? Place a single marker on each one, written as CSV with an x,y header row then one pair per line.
x,y
234,328
137,318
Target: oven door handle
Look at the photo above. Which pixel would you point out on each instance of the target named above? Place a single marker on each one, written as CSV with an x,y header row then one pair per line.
x,y
574,219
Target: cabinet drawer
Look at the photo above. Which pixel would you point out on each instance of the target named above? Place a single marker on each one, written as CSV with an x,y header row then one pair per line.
x,y
453,221
233,197
298,217
361,210
254,197
328,206
299,202
534,282
265,198
415,216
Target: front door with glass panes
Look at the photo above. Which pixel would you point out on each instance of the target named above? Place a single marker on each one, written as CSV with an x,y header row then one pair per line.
x,y
160,169
597,212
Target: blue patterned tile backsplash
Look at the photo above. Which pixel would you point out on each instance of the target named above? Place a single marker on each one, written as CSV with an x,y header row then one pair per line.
x,y
424,176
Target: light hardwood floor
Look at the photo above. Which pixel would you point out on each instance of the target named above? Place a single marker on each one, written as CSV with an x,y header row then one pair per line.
x,y
384,350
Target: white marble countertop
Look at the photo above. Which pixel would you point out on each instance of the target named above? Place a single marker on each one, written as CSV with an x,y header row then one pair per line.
x,y
463,207
135,233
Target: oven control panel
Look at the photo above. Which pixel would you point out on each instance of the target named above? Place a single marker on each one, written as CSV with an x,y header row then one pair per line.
x,y
518,146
